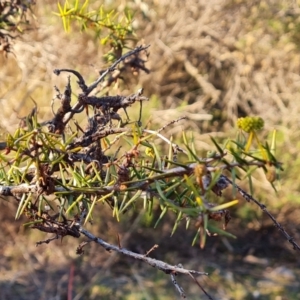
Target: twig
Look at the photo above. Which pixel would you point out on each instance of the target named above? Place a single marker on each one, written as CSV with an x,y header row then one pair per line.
x,y
80,81
158,264
152,249
79,250
174,146
171,123
85,141
113,66
48,240
141,184
18,189
79,106
108,263
178,287
249,198
203,290
115,102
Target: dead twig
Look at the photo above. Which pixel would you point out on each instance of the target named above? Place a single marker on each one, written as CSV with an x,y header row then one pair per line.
x,y
158,264
152,249
249,198
178,287
47,241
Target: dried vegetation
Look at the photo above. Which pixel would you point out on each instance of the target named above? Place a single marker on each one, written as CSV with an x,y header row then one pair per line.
x,y
212,61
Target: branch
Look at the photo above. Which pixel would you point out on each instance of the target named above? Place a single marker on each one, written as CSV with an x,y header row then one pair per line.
x,y
113,66
115,102
142,184
249,198
158,264
24,188
178,287
80,81
85,141
78,107
18,189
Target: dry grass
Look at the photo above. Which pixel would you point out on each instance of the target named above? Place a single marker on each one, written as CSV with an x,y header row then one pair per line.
x,y
226,55
212,61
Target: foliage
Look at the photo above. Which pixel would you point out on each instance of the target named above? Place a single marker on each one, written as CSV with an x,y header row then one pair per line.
x,y
56,170
111,28
59,173
13,18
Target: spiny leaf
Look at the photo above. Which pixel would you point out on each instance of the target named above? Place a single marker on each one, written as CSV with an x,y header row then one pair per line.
x,y
150,206
170,153
164,211
223,206
131,200
179,217
33,223
217,146
192,154
250,184
84,6
74,203
188,221
41,202
196,237
116,209
157,157
214,180
213,229
91,207
261,148
22,205
273,143
272,158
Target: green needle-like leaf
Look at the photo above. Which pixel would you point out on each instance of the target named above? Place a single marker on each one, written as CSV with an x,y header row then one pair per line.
x,y
223,206
217,146
213,229
179,217
22,205
164,211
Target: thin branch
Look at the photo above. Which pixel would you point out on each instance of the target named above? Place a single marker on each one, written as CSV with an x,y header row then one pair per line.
x,y
48,240
18,189
80,81
85,141
178,287
157,133
115,102
79,106
141,184
203,290
171,123
113,66
249,198
152,249
24,188
158,264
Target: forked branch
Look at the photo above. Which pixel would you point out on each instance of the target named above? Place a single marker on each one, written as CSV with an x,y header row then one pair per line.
x,y
158,264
